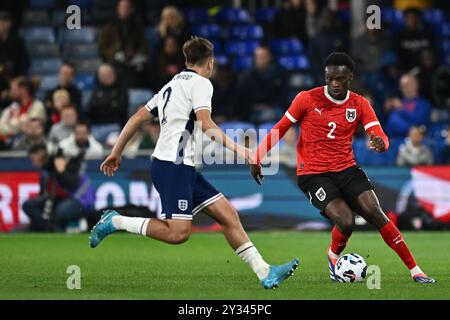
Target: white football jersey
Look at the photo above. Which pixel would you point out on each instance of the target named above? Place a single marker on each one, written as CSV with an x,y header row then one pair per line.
x,y
175,105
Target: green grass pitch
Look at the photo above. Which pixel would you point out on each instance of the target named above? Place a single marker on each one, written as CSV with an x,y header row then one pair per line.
x,y
33,266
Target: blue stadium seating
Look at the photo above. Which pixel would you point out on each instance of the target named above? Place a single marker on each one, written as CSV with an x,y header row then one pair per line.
x,y
36,18
45,66
433,16
221,59
48,82
445,29
84,4
42,4
197,15
137,98
241,48
286,46
85,81
241,63
85,99
38,34
392,16
83,50
344,15
246,32
301,80
43,50
233,15
218,48
87,65
437,130
264,15
210,31
297,62
83,35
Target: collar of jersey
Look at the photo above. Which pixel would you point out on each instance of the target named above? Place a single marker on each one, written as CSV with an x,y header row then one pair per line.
x,y
189,70
335,100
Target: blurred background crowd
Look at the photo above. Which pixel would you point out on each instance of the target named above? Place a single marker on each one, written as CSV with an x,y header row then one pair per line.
x,y
74,89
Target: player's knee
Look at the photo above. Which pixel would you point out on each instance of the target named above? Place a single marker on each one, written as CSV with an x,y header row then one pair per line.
x,y
346,223
180,236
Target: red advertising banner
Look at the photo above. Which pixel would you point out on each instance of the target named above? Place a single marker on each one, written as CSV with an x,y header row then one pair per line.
x,y
15,189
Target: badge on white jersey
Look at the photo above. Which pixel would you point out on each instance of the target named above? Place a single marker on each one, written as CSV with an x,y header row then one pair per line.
x,y
350,114
182,205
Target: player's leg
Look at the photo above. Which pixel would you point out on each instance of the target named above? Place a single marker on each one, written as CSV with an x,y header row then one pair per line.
x,y
211,202
359,190
370,210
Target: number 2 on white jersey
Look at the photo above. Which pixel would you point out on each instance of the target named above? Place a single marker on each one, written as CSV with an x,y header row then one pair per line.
x,y
333,127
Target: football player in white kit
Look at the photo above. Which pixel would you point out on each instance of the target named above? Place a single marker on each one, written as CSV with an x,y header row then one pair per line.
x,y
184,191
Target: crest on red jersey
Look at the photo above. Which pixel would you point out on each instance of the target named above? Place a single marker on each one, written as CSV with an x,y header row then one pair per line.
x,y
350,114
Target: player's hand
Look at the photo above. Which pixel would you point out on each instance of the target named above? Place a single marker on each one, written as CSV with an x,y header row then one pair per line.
x,y
256,172
376,143
110,165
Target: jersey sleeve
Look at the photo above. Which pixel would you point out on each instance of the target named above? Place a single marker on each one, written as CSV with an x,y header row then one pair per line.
x,y
202,92
370,122
296,109
152,105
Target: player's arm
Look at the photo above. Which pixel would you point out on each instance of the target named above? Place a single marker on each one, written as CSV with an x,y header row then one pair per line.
x,y
378,139
213,131
274,136
112,162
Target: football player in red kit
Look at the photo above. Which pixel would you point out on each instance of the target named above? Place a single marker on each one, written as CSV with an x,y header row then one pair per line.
x,y
326,168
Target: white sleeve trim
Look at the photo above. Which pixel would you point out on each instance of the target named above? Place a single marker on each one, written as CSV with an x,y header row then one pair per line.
x,y
148,108
288,115
371,124
202,108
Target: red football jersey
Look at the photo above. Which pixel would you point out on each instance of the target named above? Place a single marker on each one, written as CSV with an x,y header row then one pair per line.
x,y
327,129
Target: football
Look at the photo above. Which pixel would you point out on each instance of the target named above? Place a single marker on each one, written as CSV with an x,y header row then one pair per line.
x,y
351,267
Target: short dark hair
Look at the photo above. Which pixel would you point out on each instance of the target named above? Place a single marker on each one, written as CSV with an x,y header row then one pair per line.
x,y
23,82
37,147
340,59
197,50
84,123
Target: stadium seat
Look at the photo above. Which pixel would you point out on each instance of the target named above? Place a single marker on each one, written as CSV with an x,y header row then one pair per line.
x,y
83,35
48,82
241,48
391,16
85,81
84,4
300,81
246,32
433,16
241,63
233,15
137,98
265,15
38,34
85,99
42,4
286,46
83,50
45,66
218,48
36,18
297,62
209,31
344,15
44,50
221,59
445,30
197,15
437,131
87,65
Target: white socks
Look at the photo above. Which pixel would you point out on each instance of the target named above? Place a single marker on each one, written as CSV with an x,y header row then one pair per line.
x,y
416,270
133,225
332,254
250,255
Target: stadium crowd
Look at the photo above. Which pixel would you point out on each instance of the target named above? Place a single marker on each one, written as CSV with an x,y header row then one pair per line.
x,y
75,88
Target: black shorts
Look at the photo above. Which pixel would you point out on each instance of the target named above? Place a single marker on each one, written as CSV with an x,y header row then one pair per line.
x,y
322,188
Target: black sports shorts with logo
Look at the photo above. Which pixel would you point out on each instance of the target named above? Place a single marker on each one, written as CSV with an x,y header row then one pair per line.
x,y
322,188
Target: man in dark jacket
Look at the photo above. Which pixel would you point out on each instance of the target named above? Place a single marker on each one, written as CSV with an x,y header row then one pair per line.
x,y
65,195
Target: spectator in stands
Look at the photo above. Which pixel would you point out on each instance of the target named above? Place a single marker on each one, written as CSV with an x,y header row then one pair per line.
x,y
312,18
262,89
24,107
63,129
290,21
168,63
60,99
34,134
412,110
109,102
331,37
171,23
444,153
413,152
65,193
412,39
226,96
66,82
14,60
123,43
81,141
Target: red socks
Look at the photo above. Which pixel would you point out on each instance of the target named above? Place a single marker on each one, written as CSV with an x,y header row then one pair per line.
x,y
338,241
394,239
